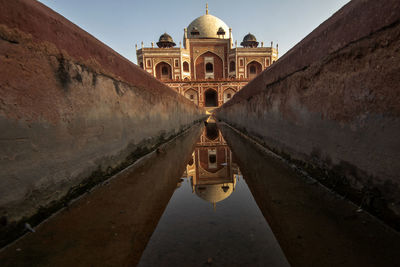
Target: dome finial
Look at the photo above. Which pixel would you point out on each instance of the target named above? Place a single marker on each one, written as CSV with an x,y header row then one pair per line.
x,y
206,8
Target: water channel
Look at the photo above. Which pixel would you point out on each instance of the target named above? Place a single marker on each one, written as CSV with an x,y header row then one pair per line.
x,y
212,216
210,197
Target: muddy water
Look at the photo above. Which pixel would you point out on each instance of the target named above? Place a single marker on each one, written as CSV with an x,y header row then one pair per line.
x,y
208,199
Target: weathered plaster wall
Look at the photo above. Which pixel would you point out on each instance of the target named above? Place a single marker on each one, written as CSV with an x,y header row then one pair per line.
x,y
72,111
332,104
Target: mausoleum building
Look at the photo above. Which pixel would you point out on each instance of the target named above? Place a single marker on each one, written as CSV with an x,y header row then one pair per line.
x,y
208,68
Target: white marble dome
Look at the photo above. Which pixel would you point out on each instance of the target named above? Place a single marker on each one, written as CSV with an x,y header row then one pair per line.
x,y
207,27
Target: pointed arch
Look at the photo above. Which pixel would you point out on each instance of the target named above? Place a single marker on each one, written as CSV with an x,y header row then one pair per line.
x,y
185,66
228,94
192,95
163,71
253,68
208,65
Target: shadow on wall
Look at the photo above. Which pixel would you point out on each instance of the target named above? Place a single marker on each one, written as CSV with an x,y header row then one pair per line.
x,y
81,120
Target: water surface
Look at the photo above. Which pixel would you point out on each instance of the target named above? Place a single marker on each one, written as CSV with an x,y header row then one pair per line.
x,y
201,201
212,217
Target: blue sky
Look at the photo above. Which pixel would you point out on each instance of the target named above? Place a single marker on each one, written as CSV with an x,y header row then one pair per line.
x,y
123,23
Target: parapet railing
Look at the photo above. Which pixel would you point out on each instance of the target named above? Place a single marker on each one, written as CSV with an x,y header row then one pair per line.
x,y
205,80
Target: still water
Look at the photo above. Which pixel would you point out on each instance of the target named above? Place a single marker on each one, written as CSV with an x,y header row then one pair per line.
x,y
210,197
212,217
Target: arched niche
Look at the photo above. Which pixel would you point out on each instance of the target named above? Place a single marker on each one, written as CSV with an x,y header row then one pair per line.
x,y
185,66
228,94
209,65
163,71
192,95
232,66
253,69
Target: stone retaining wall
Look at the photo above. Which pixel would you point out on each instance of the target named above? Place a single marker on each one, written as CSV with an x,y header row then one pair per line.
x,y
72,112
332,105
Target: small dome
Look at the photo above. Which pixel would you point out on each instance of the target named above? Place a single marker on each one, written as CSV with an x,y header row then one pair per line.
x,y
249,37
249,41
165,40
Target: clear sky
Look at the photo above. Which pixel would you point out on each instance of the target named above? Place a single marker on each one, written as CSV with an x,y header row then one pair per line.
x,y
123,23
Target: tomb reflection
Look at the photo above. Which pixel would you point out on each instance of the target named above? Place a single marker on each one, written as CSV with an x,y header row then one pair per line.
x,y
211,170
212,215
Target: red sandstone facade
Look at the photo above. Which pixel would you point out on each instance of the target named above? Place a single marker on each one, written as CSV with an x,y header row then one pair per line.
x,y
208,69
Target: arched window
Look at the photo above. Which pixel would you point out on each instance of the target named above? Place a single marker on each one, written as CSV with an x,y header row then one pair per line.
x,y
185,66
164,70
232,66
141,65
209,67
252,69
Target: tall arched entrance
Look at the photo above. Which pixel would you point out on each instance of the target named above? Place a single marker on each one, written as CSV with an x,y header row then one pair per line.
x,y
211,98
